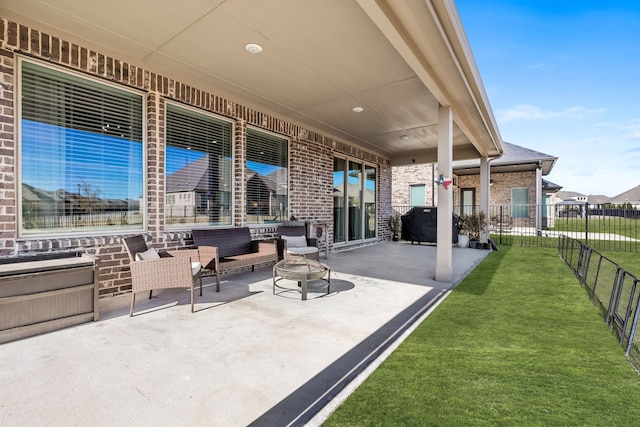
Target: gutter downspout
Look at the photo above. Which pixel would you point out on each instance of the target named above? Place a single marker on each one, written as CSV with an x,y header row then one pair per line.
x,y
485,194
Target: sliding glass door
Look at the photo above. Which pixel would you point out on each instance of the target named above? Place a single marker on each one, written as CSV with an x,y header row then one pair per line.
x,y
339,211
369,197
354,201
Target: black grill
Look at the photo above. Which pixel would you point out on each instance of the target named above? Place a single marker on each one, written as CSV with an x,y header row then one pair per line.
x,y
420,224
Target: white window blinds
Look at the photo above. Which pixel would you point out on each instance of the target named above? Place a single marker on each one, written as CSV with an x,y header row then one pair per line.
x,y
198,168
81,145
267,174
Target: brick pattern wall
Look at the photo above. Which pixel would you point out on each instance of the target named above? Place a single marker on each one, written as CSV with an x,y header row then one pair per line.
x,y
500,192
311,154
385,197
155,165
239,173
406,176
8,218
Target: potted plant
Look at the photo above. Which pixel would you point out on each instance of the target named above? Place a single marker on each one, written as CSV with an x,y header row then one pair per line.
x,y
476,223
394,225
463,231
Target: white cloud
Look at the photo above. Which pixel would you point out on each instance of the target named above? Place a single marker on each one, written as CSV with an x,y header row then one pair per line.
x,y
533,112
541,66
632,129
627,130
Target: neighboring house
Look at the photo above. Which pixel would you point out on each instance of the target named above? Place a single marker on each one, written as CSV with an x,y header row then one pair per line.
x,y
597,199
629,197
571,203
572,195
516,178
191,192
551,189
516,185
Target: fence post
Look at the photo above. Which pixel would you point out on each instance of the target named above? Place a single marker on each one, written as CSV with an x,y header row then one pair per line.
x,y
634,325
586,222
501,221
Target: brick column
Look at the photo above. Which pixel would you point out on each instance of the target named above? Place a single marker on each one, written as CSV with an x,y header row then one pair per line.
x,y
385,195
8,218
239,173
156,150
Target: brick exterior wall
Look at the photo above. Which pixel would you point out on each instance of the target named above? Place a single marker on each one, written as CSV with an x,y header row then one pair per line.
x,y
500,191
239,157
384,201
311,155
155,166
419,174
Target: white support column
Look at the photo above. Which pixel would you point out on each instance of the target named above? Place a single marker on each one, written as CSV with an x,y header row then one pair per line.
x,y
444,251
485,179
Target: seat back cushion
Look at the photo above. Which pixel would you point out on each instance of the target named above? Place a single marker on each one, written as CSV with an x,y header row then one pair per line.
x,y
292,230
135,245
229,241
151,253
295,241
195,267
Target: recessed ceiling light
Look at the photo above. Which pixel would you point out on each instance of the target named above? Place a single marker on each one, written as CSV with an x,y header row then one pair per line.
x,y
253,48
357,109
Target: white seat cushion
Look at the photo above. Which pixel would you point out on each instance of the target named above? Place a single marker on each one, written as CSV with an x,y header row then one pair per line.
x,y
306,250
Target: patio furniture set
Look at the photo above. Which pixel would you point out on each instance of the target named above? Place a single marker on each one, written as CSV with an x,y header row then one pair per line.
x,y
216,251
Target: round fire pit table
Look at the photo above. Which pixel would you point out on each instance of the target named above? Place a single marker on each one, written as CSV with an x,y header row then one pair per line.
x,y
301,270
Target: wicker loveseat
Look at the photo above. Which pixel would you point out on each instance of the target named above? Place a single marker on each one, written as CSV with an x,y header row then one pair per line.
x,y
224,249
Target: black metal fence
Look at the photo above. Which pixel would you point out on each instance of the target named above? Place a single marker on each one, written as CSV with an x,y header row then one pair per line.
x,y
603,228
611,287
541,225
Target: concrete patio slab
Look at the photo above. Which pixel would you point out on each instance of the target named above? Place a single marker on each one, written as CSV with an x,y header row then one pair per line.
x,y
246,357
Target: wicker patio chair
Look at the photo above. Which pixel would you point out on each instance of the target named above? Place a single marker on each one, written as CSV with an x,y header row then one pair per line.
x,y
150,270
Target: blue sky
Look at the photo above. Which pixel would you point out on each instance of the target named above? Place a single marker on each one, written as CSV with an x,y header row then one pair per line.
x,y
63,158
563,78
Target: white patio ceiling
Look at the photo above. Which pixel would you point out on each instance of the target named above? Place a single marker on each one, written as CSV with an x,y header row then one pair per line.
x,y
397,59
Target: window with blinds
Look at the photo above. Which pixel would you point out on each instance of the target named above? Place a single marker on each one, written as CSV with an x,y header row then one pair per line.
x,y
81,153
198,184
267,175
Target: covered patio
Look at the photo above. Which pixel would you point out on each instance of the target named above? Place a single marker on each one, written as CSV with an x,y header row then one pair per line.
x,y
348,88
246,357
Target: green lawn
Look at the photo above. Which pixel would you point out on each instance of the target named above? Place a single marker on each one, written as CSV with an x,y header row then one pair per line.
x,y
517,343
597,224
630,261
